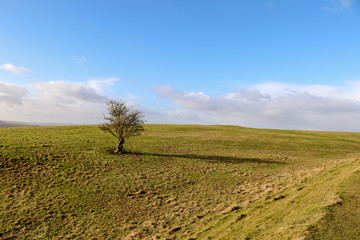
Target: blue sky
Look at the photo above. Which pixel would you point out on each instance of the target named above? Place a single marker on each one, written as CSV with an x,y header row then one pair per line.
x,y
289,64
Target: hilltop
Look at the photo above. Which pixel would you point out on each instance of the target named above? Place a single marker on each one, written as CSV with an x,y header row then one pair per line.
x,y
175,182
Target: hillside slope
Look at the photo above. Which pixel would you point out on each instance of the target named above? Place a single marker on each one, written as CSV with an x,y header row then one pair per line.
x,y
176,182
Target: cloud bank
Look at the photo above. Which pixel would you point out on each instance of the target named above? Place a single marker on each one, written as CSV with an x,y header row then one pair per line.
x,y
11,94
17,70
267,105
54,101
272,105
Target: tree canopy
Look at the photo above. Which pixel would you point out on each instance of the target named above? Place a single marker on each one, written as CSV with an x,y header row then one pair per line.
x,y
123,122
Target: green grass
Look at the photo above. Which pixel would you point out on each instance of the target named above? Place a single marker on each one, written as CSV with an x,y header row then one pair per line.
x,y
342,221
176,182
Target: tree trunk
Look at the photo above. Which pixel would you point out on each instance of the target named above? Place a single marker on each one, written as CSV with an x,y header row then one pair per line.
x,y
119,146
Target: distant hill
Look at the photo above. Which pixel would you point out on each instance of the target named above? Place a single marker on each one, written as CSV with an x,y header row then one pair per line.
x,y
14,124
6,124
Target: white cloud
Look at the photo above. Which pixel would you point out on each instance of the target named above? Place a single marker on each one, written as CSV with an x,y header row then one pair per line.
x,y
79,60
66,93
17,70
236,100
349,91
54,101
11,94
178,113
273,105
338,5
100,84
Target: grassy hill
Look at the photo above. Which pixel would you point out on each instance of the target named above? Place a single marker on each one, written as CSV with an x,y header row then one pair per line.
x,y
178,182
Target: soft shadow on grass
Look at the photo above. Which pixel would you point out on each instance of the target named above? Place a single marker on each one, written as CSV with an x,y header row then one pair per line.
x,y
210,158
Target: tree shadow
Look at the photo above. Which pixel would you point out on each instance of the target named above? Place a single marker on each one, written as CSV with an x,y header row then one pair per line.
x,y
211,158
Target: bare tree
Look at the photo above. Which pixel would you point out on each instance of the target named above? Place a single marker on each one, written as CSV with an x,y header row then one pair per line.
x,y
122,123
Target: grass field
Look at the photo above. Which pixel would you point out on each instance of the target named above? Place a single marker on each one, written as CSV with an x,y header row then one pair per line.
x,y
342,220
176,182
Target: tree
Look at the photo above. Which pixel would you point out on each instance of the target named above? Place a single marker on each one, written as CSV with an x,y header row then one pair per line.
x,y
122,123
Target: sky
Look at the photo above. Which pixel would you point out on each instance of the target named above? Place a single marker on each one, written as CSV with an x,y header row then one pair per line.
x,y
284,64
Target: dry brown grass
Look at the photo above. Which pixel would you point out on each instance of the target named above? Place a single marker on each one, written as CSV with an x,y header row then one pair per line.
x,y
175,181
